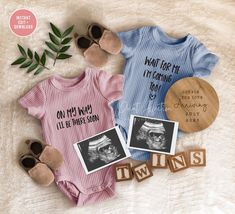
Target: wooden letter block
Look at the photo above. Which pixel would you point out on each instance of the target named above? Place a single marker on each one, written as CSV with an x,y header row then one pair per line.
x,y
142,172
158,160
197,157
177,162
123,172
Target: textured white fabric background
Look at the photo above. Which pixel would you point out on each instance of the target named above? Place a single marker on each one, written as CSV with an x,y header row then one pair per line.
x,y
203,190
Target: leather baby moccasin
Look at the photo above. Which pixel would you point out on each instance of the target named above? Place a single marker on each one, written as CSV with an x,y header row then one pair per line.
x,y
45,153
92,52
107,39
38,171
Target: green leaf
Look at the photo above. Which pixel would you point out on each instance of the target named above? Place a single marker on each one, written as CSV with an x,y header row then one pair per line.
x,y
67,31
65,48
55,30
54,39
50,54
43,58
30,53
22,51
32,67
66,40
26,64
18,61
39,70
36,56
63,56
52,46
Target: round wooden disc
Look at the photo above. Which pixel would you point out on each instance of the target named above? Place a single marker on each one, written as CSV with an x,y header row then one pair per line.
x,y
193,103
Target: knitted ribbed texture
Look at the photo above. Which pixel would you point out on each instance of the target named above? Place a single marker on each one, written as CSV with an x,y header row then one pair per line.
x,y
71,110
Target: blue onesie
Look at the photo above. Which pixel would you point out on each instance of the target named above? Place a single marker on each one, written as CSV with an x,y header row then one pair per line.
x,y
154,61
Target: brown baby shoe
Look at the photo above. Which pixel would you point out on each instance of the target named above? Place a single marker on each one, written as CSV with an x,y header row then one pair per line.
x,y
45,153
91,51
38,171
107,39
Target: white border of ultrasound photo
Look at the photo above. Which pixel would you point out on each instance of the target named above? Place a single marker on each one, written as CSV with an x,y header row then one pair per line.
x,y
123,144
173,141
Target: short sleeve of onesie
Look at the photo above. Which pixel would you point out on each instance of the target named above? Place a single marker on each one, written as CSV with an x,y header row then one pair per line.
x,y
33,101
130,40
110,85
203,61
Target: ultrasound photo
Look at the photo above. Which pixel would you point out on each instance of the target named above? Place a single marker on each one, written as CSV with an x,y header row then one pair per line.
x,y
102,150
152,134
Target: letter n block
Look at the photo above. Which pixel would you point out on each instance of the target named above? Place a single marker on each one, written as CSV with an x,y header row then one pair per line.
x,y
123,172
158,160
142,171
197,157
177,162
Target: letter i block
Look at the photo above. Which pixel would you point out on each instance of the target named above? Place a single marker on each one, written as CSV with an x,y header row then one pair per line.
x,y
197,157
142,172
123,172
177,162
158,160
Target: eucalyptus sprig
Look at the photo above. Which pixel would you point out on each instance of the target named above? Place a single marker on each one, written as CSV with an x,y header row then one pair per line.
x,y
59,43
31,61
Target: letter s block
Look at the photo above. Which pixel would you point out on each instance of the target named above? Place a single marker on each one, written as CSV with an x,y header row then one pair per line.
x,y
142,171
123,172
197,157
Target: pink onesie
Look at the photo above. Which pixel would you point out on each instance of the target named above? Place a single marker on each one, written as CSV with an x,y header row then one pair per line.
x,y
71,110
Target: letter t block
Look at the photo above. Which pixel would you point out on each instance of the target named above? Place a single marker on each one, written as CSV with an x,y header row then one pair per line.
x,y
123,172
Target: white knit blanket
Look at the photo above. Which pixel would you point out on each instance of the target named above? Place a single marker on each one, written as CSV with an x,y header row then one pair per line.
x,y
196,190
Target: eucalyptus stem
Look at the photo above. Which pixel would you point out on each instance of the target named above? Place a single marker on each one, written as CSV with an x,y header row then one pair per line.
x,y
57,52
55,59
38,63
45,67
58,43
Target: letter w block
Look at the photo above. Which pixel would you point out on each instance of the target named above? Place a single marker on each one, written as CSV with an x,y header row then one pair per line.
x,y
142,171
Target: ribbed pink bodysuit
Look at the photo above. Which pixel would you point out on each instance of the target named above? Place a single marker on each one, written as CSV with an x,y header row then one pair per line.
x,y
71,110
